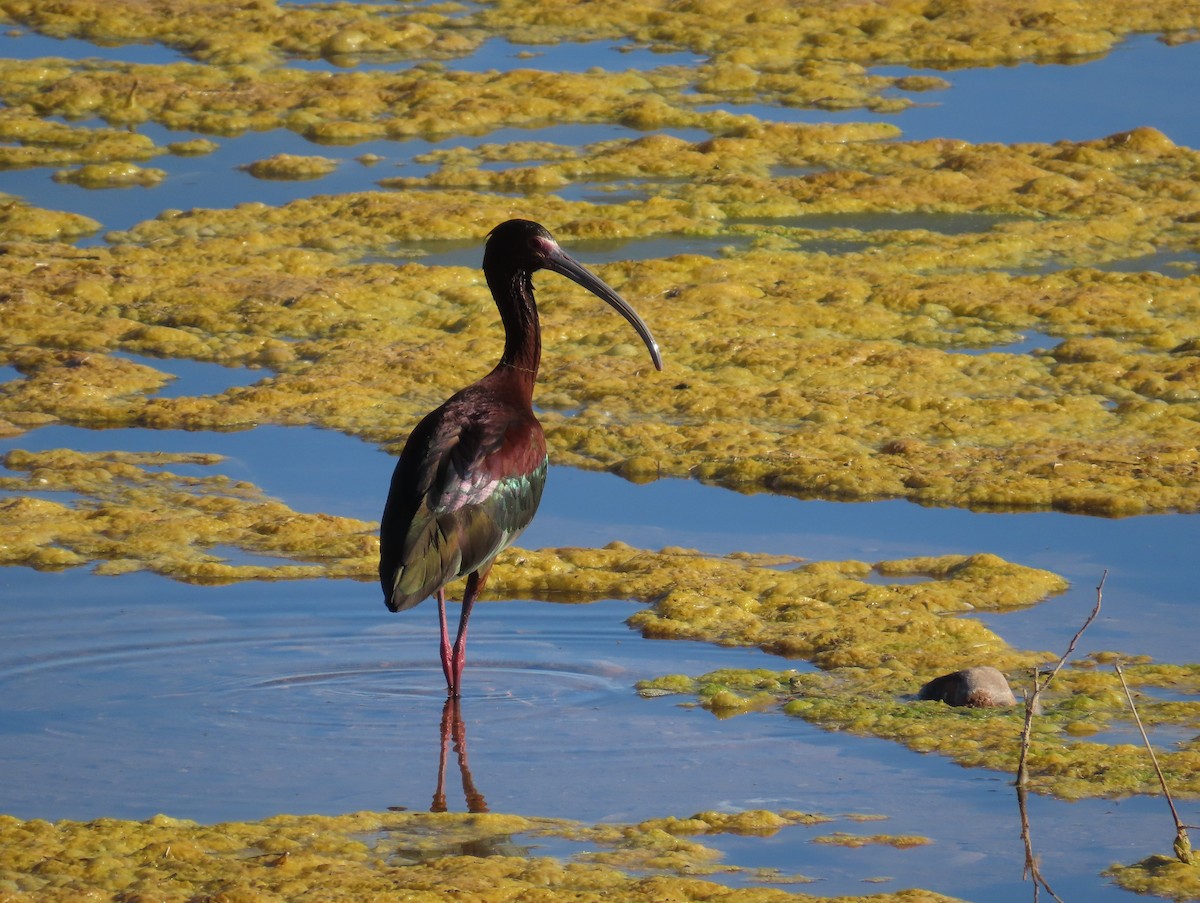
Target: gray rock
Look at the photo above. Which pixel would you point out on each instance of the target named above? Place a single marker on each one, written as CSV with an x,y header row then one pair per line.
x,y
979,687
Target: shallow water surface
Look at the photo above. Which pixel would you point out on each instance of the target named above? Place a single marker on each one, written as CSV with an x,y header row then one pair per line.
x,y
133,695
1043,102
192,378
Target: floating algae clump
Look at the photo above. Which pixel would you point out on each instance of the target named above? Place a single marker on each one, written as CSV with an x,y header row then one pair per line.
x,y
291,166
31,141
125,512
196,147
355,857
880,703
789,369
1159,876
110,175
21,222
900,841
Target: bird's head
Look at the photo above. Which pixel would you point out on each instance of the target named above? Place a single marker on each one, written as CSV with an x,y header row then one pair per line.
x,y
523,246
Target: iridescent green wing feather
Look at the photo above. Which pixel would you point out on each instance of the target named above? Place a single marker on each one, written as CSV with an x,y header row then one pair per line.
x,y
453,507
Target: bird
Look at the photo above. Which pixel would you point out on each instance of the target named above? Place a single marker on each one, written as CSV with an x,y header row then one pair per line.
x,y
471,473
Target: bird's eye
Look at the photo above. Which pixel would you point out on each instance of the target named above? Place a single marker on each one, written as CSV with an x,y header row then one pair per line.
x,y
543,246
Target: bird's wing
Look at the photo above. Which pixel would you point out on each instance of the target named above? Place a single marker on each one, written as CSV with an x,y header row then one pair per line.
x,y
451,509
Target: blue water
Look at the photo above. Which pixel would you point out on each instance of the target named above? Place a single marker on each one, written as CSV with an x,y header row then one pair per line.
x,y
195,378
127,696
1141,83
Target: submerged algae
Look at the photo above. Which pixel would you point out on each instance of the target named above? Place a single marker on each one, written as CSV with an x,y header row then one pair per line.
x,y
901,841
351,857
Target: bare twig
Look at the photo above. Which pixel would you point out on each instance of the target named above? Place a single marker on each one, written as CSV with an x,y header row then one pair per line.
x,y
1183,844
1032,706
1075,639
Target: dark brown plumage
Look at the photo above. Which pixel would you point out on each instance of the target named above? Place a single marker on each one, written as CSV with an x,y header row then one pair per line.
x,y
471,474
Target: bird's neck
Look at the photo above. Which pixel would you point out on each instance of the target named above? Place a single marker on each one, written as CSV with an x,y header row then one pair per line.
x,y
522,331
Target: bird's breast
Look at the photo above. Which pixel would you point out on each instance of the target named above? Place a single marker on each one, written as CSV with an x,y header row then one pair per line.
x,y
522,452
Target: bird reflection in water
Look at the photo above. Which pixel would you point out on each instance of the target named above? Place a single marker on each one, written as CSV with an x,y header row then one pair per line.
x,y
467,839
455,731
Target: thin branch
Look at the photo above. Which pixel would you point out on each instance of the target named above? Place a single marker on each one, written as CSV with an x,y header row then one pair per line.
x,y
1032,706
1032,702
1183,844
1075,639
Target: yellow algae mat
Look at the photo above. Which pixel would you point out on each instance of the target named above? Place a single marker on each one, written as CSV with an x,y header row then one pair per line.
x,y
790,369
390,856
808,354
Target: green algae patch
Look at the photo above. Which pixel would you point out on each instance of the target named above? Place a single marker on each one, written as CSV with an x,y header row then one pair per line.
x,y
835,620
196,147
1062,760
259,33
31,141
658,845
857,841
291,166
851,373
357,856
111,175
126,512
1159,876
726,693
20,221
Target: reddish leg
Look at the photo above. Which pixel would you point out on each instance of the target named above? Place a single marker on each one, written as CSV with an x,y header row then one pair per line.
x,y
446,669
458,657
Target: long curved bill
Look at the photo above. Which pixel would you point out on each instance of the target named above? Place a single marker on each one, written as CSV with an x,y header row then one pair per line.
x,y
561,262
